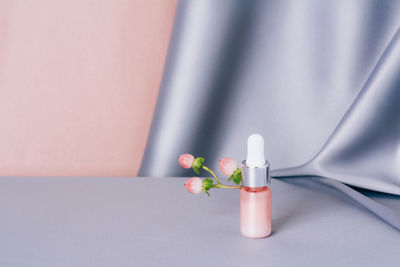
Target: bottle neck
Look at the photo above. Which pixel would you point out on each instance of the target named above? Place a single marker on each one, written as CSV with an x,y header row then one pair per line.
x,y
254,189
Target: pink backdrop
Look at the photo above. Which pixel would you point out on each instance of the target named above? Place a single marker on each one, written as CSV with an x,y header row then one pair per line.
x,y
78,84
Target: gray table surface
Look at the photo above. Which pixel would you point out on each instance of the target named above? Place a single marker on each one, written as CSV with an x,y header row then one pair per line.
x,y
155,221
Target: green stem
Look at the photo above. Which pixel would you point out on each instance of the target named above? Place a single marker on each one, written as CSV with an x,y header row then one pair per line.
x,y
228,186
212,173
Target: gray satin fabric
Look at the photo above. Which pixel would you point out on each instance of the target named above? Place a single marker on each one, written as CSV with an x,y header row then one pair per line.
x,y
319,79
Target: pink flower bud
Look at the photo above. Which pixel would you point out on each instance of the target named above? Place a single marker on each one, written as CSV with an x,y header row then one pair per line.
x,y
194,185
228,166
186,161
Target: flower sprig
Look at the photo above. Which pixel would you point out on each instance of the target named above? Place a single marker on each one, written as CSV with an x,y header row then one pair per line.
x,y
227,166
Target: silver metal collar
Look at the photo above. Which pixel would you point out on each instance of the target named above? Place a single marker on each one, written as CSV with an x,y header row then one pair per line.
x,y
256,176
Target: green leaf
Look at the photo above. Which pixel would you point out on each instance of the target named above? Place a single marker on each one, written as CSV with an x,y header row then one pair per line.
x,y
198,162
207,183
236,176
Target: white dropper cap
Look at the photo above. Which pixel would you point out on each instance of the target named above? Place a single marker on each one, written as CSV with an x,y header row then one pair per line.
x,y
255,151
255,169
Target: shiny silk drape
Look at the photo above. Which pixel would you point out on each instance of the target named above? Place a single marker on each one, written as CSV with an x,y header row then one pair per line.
x,y
319,79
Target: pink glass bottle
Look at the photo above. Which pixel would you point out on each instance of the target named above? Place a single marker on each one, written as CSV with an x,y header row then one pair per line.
x,y
255,212
255,196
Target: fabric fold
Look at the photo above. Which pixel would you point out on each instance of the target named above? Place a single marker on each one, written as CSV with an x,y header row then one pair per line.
x,y
370,127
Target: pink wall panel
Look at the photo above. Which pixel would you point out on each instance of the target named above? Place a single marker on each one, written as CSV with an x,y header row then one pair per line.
x,y
78,84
